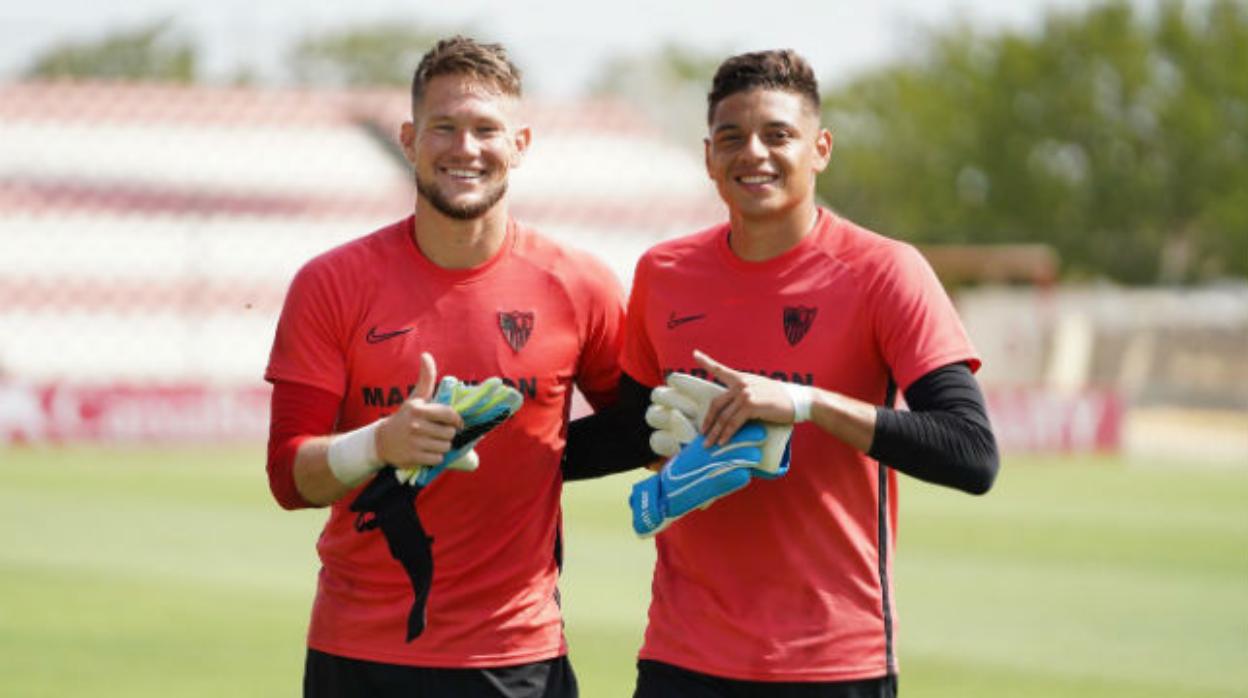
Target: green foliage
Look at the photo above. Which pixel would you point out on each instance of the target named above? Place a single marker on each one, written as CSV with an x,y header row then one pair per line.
x,y
151,52
382,54
127,572
1118,138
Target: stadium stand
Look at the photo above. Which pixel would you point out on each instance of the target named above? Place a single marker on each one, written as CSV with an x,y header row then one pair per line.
x,y
149,231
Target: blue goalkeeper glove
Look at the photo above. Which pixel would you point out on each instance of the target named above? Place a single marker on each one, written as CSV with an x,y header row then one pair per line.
x,y
482,407
695,477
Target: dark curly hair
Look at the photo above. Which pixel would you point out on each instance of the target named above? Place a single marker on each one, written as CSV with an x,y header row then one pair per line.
x,y
780,69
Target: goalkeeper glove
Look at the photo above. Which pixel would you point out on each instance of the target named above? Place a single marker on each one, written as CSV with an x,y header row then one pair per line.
x,y
678,409
694,478
482,407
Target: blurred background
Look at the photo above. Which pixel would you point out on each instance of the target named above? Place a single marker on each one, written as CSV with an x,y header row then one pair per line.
x,y
1076,172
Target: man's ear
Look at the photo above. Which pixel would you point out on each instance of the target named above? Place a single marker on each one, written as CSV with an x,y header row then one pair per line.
x,y
823,149
521,140
407,140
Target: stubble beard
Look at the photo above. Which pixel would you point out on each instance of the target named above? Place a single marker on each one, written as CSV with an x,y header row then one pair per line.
x,y
465,212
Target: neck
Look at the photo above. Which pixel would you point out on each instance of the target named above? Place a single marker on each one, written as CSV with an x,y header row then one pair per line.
x,y
458,244
759,239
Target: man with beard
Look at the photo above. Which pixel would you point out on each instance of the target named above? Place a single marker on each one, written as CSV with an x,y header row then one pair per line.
x,y
442,585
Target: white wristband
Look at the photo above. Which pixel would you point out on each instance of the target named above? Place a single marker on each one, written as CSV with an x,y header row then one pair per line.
x,y
803,396
353,456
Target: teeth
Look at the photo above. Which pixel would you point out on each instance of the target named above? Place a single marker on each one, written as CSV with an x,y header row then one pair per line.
x,y
465,174
758,179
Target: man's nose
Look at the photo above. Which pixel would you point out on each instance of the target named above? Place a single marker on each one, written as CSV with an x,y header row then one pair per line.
x,y
466,142
754,146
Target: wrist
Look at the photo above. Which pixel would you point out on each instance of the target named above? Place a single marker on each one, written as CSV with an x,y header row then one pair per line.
x,y
803,397
352,456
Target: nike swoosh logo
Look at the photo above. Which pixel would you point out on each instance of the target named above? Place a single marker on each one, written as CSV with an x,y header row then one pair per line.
x,y
373,337
673,322
678,484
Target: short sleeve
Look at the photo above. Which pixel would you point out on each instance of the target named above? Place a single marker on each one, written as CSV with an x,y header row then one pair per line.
x,y
916,326
308,347
598,370
638,358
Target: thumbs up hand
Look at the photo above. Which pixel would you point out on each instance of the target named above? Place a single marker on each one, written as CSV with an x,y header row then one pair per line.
x,y
421,431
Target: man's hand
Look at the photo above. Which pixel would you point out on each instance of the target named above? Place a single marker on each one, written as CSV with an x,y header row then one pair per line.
x,y
677,408
745,397
421,431
482,408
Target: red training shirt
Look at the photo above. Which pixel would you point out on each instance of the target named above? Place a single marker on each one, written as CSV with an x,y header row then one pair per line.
x,y
541,317
789,579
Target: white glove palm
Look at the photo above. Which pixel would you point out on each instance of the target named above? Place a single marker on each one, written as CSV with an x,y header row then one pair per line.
x,y
678,409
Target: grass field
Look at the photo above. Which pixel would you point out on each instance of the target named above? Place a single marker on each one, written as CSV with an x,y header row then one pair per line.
x,y
157,573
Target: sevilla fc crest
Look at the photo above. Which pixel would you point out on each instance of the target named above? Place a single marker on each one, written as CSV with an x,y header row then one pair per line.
x,y
797,321
516,326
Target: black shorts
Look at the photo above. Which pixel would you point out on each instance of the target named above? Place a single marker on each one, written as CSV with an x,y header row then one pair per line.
x,y
659,680
331,676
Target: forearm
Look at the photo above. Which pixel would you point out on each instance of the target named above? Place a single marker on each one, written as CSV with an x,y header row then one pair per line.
x,y
301,419
945,438
314,480
612,440
850,420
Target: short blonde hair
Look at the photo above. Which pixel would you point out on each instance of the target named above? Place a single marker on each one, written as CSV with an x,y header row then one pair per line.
x,y
461,55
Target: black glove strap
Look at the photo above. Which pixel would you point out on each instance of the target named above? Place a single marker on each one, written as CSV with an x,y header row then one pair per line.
x,y
392,506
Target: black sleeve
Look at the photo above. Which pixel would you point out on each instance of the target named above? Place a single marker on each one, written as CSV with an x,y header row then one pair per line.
x,y
945,438
613,439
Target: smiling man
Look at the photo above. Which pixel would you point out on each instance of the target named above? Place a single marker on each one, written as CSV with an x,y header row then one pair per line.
x,y
438,578
784,587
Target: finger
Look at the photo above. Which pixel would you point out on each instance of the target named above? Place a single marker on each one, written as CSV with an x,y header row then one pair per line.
x,y
429,444
731,420
724,374
428,457
439,432
419,458
714,408
436,413
714,431
428,373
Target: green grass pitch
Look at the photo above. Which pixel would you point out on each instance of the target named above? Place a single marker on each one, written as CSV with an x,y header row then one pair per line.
x,y
171,572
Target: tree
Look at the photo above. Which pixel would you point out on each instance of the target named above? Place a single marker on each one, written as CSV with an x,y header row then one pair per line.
x,y
379,54
1118,139
151,52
